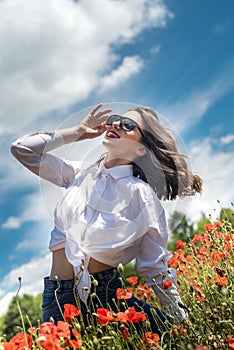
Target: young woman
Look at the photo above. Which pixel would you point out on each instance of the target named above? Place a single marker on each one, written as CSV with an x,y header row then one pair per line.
x,y
111,211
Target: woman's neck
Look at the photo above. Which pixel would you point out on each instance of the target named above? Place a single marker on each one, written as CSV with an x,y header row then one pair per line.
x,y
110,162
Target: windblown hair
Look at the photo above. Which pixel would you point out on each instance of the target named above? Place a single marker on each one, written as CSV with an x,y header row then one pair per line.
x,y
164,168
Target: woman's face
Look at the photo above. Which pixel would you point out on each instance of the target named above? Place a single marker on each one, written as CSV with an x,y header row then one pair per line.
x,y
121,143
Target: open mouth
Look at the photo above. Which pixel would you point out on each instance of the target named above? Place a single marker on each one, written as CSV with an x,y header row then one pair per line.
x,y
112,134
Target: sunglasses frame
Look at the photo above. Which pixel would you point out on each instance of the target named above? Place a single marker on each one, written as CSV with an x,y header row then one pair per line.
x,y
121,124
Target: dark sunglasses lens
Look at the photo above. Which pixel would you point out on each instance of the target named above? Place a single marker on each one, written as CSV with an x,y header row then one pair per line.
x,y
125,123
128,124
112,119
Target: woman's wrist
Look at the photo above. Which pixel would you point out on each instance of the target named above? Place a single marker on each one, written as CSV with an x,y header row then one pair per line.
x,y
72,134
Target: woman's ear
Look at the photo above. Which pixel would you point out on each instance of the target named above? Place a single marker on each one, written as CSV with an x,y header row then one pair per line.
x,y
141,150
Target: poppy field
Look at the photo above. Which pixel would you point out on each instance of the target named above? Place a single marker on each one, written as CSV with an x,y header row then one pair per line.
x,y
205,272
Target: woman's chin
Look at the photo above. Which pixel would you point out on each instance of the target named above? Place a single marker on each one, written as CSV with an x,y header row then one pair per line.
x,y
109,142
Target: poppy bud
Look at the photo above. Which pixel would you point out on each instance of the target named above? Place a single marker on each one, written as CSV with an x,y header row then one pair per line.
x,y
95,283
120,268
219,271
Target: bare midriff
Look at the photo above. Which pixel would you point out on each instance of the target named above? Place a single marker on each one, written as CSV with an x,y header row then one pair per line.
x,y
97,266
64,270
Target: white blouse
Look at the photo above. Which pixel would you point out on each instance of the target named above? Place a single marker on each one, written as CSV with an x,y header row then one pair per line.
x,y
106,214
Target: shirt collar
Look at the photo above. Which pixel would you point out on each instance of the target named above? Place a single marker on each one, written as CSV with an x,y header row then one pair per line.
x,y
117,171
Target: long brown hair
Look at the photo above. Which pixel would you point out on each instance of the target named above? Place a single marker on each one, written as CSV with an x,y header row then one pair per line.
x,y
164,168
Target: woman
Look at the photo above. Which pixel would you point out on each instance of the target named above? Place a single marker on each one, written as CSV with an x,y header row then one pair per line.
x,y
110,212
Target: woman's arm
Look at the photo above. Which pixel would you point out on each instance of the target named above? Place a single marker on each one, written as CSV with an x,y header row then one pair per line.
x,y
33,150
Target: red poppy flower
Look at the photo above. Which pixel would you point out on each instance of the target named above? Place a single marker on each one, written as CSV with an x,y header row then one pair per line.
x,y
132,280
180,244
189,258
135,316
218,224
48,328
230,342
149,341
105,316
166,284
7,346
70,311
122,317
144,291
63,329
201,347
124,293
221,281
151,338
49,342
21,341
198,238
209,227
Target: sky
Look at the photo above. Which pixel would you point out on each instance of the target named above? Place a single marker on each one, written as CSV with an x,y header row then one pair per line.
x,y
59,58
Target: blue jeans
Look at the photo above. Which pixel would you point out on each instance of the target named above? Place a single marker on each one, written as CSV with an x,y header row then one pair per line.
x,y
108,282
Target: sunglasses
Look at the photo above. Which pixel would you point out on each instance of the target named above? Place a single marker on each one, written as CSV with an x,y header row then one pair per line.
x,y
125,123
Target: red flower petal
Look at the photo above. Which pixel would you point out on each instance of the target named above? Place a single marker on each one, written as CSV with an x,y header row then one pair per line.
x,y
166,284
132,280
124,293
70,311
105,316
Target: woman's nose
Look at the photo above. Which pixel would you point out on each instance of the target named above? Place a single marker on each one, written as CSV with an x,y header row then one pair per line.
x,y
116,124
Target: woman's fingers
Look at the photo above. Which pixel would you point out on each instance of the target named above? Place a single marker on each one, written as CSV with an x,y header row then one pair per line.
x,y
95,122
96,108
105,111
101,113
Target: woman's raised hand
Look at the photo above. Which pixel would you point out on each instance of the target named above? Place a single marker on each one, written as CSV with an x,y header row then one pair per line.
x,y
94,124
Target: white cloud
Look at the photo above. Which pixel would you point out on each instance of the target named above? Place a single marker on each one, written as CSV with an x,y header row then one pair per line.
x,y
225,140
12,222
54,53
28,244
5,301
31,275
130,66
31,210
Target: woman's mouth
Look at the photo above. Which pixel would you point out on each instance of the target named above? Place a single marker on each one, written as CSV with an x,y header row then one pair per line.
x,y
112,134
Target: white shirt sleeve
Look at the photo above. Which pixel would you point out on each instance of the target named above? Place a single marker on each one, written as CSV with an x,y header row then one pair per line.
x,y
151,263
32,151
152,255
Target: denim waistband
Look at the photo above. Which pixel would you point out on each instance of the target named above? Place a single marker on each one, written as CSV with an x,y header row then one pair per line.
x,y
106,275
103,276
61,284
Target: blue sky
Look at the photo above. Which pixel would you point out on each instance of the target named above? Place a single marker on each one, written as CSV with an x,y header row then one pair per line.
x,y
60,57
